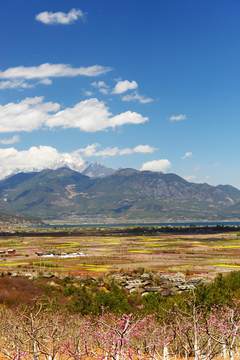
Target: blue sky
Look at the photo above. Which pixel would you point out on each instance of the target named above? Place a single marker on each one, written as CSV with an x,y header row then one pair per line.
x,y
169,68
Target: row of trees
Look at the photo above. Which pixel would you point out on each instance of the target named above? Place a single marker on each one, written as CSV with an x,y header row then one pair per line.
x,y
194,334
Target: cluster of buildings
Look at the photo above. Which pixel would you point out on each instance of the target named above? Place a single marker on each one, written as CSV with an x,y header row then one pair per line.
x,y
7,252
62,255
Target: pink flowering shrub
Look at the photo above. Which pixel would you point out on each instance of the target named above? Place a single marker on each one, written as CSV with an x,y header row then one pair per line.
x,y
38,335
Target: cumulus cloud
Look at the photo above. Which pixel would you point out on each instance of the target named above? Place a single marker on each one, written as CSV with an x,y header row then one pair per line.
x,y
62,18
27,115
123,86
92,115
37,158
95,150
89,115
161,165
10,141
102,87
187,155
137,97
47,71
178,117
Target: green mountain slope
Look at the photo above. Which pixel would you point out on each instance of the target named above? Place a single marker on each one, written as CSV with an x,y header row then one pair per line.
x,y
126,194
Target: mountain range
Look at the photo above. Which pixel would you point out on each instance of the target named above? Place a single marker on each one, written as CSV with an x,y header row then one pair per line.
x,y
104,195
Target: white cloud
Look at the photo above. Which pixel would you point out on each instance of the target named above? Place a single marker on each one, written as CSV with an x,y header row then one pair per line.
x,y
95,150
46,82
137,97
102,87
27,115
144,149
89,150
178,118
123,86
47,70
54,18
187,155
89,115
161,165
36,159
128,117
92,115
22,84
15,84
10,141
87,93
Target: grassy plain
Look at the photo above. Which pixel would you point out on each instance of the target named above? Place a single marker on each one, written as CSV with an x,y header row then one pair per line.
x,y
165,252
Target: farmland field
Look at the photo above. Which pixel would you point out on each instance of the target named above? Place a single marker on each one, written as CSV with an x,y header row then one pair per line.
x,y
203,254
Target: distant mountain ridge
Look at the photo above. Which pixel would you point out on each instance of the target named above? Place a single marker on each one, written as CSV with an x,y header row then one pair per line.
x,y
96,170
124,195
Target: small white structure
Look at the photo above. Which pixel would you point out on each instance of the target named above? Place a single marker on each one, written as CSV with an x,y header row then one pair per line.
x,y
64,255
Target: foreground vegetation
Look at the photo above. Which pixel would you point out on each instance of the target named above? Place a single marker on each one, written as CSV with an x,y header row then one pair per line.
x,y
100,324
40,335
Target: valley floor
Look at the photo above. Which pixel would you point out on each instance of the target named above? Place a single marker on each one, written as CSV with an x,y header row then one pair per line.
x,y
95,254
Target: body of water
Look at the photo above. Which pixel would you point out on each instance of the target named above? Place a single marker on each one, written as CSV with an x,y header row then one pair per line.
x,y
160,224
